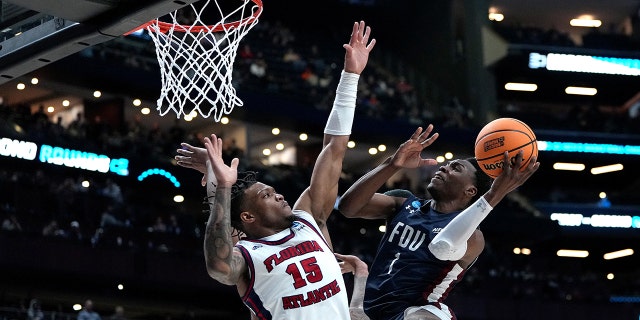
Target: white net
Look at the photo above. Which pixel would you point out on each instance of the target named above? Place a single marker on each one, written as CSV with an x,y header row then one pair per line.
x,y
196,58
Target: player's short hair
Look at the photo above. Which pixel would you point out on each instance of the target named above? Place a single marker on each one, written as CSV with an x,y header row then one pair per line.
x,y
482,180
245,180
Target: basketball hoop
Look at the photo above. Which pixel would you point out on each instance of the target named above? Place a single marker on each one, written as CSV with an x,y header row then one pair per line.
x,y
196,59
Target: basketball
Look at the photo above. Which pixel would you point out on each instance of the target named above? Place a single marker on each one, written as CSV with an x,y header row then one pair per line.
x,y
500,135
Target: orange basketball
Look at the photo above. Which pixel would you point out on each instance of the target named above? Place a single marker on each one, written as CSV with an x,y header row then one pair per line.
x,y
500,135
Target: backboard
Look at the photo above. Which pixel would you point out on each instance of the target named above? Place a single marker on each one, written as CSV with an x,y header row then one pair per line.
x,y
34,33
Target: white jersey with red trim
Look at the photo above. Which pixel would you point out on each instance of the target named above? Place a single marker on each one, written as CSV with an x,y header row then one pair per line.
x,y
294,274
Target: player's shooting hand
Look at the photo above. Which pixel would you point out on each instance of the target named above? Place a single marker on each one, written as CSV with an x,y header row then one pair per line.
x,y
511,176
408,154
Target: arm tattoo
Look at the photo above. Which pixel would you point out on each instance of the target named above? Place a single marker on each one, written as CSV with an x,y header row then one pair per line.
x,y
218,245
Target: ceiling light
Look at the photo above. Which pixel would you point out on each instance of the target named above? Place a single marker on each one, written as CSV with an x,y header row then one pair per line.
x,y
572,253
373,151
606,169
303,137
137,102
280,146
97,94
147,111
34,80
494,16
266,151
583,91
587,23
351,144
20,86
516,86
275,131
65,103
440,159
224,120
618,254
448,155
568,166
382,148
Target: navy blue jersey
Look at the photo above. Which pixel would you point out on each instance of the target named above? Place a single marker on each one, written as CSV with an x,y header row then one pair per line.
x,y
404,272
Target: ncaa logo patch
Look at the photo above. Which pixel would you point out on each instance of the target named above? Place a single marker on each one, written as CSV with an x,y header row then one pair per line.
x,y
297,225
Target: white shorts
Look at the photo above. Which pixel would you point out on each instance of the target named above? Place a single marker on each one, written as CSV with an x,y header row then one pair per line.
x,y
442,313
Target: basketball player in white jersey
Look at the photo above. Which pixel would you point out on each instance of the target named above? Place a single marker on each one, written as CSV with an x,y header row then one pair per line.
x,y
284,267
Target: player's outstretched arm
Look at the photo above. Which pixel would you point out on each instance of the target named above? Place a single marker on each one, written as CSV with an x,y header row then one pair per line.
x,y
361,199
224,262
319,198
360,270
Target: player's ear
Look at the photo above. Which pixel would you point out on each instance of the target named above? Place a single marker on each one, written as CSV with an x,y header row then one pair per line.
x,y
246,216
471,191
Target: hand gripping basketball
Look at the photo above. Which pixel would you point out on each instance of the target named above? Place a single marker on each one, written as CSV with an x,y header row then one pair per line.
x,y
500,136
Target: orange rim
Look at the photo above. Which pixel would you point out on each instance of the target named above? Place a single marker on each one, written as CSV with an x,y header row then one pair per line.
x,y
166,26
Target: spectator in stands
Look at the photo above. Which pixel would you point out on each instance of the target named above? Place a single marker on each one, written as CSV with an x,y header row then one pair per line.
x,y
158,225
173,226
258,69
75,233
87,312
109,218
292,57
118,314
40,118
246,54
52,229
11,223
77,128
113,192
35,312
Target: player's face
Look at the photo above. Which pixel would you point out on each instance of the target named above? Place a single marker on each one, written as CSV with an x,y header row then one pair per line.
x,y
452,179
269,207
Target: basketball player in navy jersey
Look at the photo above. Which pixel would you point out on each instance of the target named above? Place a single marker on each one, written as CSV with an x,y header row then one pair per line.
x,y
284,267
428,244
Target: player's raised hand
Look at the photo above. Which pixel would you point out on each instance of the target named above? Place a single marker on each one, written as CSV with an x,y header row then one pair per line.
x,y
409,155
226,175
192,157
358,48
